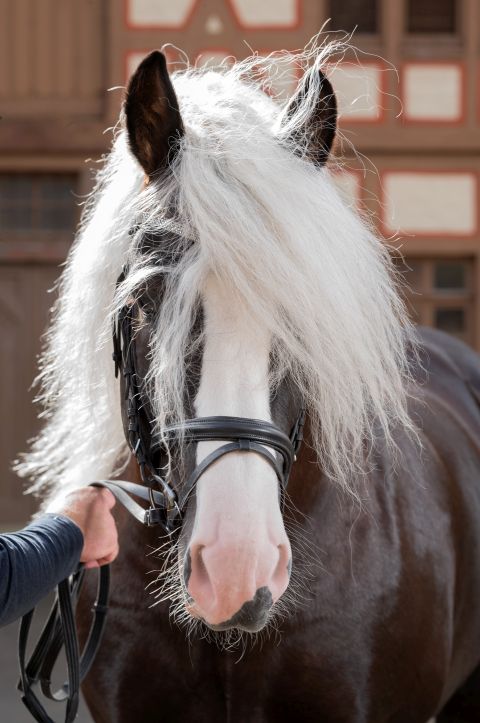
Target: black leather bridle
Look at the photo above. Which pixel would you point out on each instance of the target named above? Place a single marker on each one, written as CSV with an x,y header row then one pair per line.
x,y
240,433
166,508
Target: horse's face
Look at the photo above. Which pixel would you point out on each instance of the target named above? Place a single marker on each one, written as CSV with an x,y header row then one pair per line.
x,y
237,556
234,551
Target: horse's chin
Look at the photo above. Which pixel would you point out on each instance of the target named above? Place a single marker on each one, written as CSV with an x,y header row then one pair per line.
x,y
251,627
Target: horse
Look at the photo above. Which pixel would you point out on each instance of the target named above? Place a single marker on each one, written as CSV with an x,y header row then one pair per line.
x,y
254,292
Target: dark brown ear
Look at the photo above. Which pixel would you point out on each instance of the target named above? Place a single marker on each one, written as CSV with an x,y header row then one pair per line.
x,y
315,139
154,123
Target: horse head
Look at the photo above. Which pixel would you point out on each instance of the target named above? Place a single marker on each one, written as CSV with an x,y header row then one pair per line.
x,y
253,291
235,553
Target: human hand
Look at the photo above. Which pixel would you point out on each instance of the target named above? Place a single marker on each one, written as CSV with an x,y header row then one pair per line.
x,y
90,509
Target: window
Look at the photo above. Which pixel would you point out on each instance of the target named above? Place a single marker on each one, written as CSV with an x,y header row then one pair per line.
x,y
37,202
450,275
431,16
351,14
440,294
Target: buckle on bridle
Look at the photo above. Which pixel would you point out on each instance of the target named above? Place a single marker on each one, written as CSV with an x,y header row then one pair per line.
x,y
297,433
153,517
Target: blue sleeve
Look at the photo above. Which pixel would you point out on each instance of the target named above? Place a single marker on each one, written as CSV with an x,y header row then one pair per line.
x,y
34,561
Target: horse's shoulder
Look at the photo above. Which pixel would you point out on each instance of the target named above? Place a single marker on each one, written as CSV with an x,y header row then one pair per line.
x,y
445,402
442,357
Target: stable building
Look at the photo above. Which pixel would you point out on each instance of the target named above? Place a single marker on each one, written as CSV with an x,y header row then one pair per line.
x,y
409,105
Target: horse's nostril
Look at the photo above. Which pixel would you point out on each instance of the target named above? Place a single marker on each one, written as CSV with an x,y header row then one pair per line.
x,y
284,563
193,565
187,568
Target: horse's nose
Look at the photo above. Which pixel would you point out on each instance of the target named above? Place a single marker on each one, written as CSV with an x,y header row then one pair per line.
x,y
234,585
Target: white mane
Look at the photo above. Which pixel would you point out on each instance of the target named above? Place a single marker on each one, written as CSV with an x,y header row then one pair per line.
x,y
274,230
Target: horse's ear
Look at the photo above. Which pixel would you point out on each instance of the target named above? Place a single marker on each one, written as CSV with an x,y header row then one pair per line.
x,y
154,124
310,118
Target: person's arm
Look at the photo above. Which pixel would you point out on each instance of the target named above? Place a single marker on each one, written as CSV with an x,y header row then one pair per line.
x,y
32,562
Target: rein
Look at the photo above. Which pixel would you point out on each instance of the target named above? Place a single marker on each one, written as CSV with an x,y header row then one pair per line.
x,y
166,509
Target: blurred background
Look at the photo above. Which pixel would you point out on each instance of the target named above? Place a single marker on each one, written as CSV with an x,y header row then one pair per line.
x,y
409,102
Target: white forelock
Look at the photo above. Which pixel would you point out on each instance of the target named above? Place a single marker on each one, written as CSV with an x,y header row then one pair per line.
x,y
274,232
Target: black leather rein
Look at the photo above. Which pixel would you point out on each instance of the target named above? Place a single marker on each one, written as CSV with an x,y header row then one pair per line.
x,y
166,508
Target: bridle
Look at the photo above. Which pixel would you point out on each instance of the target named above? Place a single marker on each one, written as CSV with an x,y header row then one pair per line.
x,y
242,434
166,508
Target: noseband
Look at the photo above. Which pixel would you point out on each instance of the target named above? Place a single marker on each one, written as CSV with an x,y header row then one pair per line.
x,y
240,434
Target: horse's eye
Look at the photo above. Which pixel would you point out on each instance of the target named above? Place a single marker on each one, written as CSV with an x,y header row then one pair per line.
x,y
148,310
146,307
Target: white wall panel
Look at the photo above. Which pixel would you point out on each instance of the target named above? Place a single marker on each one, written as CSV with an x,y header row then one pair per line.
x,y
266,13
163,13
432,91
432,203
